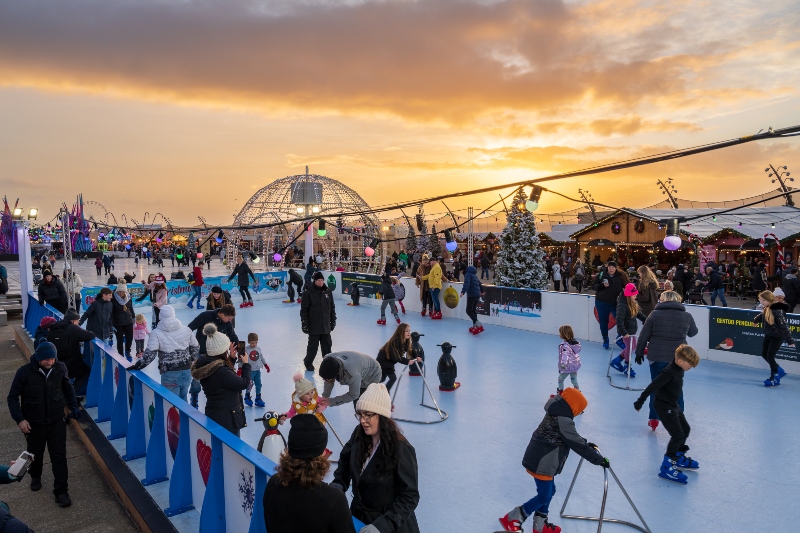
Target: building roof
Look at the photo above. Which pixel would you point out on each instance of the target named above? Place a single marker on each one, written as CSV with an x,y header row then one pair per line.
x,y
563,232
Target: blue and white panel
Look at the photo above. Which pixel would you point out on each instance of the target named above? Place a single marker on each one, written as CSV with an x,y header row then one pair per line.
x,y
200,447
240,490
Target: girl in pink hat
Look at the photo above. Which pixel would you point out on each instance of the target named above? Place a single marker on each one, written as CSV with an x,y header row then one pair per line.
x,y
627,313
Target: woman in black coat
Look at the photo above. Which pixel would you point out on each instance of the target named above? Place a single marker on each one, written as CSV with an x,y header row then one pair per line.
x,y
381,465
221,385
244,274
122,318
776,332
98,315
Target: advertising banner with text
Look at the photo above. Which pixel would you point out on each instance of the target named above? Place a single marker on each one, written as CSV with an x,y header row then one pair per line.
x,y
733,330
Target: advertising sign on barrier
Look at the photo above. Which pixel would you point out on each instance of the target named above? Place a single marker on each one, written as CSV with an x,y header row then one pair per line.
x,y
505,301
368,284
733,330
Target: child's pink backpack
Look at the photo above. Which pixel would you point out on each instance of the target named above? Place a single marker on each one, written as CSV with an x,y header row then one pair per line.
x,y
568,359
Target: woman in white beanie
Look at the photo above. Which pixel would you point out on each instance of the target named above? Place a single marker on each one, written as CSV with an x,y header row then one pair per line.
x,y
122,318
382,467
222,386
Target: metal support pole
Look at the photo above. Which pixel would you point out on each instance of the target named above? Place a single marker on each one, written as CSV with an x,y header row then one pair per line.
x,y
333,430
630,362
470,237
442,414
69,284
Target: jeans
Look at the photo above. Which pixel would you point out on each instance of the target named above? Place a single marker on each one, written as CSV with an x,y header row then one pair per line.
x,y
177,381
195,388
603,310
255,376
721,294
198,293
573,376
485,272
54,437
545,490
435,298
655,370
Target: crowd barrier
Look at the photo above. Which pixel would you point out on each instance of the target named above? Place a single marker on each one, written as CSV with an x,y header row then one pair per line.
x,y
209,470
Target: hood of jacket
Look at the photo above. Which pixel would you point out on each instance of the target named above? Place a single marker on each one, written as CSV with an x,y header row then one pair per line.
x,y
780,306
172,335
790,276
670,306
471,270
205,365
574,345
558,406
122,301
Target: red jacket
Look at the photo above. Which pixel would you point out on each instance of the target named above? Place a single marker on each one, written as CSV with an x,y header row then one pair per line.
x,y
198,276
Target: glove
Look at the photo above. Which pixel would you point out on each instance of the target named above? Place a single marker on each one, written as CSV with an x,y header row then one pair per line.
x,y
75,413
304,327
639,359
637,405
369,529
591,445
267,367
606,463
336,486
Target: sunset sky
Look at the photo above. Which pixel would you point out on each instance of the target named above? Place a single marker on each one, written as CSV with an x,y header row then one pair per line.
x,y
189,107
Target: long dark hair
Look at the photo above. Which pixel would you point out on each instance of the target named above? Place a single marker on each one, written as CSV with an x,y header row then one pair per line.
x,y
396,347
390,436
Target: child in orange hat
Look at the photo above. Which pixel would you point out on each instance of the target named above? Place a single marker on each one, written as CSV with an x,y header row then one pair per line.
x,y
545,457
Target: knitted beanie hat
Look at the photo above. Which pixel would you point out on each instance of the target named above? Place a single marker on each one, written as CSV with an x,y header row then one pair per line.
x,y
122,286
307,437
216,289
47,321
45,350
216,343
302,385
779,292
317,275
71,315
630,290
375,400
575,399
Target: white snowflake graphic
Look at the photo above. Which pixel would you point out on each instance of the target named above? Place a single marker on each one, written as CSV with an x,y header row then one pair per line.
x,y
247,489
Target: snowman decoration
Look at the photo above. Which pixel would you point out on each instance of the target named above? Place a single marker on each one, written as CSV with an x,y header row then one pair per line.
x,y
272,443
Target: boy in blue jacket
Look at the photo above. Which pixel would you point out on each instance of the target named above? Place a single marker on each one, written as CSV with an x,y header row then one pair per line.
x,y
545,457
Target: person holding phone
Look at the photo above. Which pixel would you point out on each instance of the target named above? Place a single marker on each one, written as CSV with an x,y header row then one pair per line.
x,y
221,385
223,320
608,286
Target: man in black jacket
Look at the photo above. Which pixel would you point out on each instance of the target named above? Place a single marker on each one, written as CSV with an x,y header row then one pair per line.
x,y
607,286
317,319
223,319
67,336
243,271
52,291
715,286
45,389
296,280
791,286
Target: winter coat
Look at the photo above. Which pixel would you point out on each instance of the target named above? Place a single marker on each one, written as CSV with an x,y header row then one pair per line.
x,y
129,278
72,358
626,324
680,275
213,303
140,332
667,386
122,310
569,359
106,261
355,293
77,283
197,273
472,285
98,315
112,280
54,294
386,500
300,407
358,371
387,291
608,294
579,272
387,361
556,269
294,508
551,442
98,262
160,297
223,389
173,344
715,281
434,277
295,278
664,330
759,279
422,279
44,394
317,310
209,317
647,299
779,329
485,262
791,286
244,273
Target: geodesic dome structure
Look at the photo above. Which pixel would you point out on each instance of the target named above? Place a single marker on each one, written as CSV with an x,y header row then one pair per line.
x,y
277,203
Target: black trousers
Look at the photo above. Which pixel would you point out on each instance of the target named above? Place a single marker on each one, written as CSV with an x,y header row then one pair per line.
x,y
126,332
144,295
388,373
245,292
156,313
791,305
313,343
472,307
676,425
54,437
427,300
291,291
769,349
99,270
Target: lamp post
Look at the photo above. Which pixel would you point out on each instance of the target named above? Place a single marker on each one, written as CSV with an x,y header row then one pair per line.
x,y
668,188
307,196
779,177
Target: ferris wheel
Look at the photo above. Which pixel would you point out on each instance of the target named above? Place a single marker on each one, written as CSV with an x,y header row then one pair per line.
x,y
95,212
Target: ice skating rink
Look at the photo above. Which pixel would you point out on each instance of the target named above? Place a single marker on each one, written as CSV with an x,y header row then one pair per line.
x,y
744,435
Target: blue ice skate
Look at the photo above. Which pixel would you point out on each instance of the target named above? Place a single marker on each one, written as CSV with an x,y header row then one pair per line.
x,y
248,401
616,364
682,461
780,374
625,370
772,382
670,472
605,343
620,343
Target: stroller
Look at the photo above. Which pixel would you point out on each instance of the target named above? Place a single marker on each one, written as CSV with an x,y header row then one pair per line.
x,y
37,276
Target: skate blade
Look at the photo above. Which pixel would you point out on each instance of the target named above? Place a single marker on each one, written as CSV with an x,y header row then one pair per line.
x,y
665,478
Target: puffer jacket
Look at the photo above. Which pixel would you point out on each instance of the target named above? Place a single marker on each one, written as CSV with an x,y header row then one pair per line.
x,y
569,359
434,278
223,390
387,291
472,285
554,438
44,394
779,329
54,294
399,291
173,343
626,324
664,330
122,310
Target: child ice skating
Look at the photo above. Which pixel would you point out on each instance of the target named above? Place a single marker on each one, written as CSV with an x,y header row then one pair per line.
x,y
627,313
396,350
569,360
399,293
140,333
257,362
305,402
668,388
473,289
387,293
545,457
776,332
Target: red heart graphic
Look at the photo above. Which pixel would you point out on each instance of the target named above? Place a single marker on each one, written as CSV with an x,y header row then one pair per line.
x,y
204,459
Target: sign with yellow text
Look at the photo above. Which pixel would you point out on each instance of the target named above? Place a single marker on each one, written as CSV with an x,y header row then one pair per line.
x,y
733,330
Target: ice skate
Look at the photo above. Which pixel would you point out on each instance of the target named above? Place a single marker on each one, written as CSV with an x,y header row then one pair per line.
x,y
200,306
193,400
626,369
250,303
513,520
548,527
683,461
620,343
259,401
472,328
781,373
605,343
242,305
397,318
772,382
670,472
653,424
423,311
479,329
616,364
189,305
248,401
382,321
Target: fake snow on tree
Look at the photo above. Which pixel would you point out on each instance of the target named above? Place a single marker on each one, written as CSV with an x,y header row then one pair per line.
x,y
520,262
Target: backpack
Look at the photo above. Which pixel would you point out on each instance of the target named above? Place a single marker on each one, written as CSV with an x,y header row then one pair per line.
x,y
567,357
190,278
60,338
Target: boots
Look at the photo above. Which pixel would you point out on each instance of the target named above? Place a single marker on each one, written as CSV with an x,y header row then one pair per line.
x,y
670,472
248,401
382,321
513,520
189,305
683,461
620,343
193,400
653,424
259,401
780,374
616,364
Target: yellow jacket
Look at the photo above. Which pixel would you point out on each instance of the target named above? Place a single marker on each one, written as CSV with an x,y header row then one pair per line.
x,y
303,408
435,277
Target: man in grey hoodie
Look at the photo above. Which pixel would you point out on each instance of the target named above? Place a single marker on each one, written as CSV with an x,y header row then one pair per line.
x,y
352,369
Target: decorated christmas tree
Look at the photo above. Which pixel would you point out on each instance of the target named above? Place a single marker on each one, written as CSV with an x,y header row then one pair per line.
x,y
422,240
520,262
411,240
434,246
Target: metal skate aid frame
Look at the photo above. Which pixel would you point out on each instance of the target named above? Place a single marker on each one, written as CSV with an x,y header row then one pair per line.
x,y
630,366
602,518
442,414
333,430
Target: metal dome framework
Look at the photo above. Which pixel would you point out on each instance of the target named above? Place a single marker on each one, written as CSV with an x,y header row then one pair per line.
x,y
345,238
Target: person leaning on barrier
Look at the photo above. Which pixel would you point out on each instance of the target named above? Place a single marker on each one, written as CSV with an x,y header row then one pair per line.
x,y
381,466
98,315
296,498
67,336
45,389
